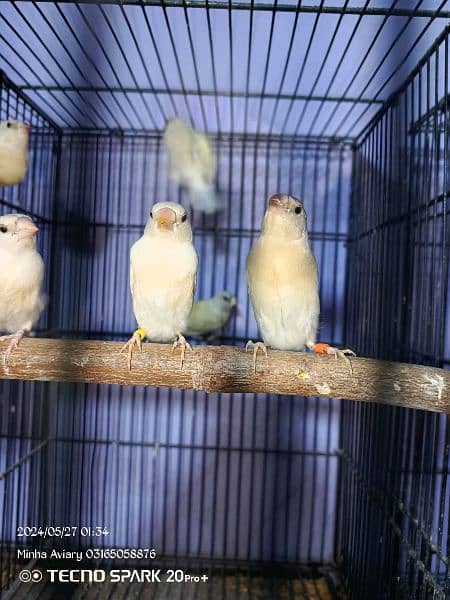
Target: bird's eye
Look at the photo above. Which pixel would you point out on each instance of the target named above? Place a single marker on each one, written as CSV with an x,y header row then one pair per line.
x,y
298,210
183,218
3,228
151,215
8,124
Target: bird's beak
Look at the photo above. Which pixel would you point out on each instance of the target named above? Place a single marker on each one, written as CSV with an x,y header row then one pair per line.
x,y
166,218
25,228
276,202
233,302
27,127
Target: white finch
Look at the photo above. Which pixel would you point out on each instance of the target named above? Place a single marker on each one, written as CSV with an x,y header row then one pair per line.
x,y
14,136
283,281
21,297
210,316
162,278
192,164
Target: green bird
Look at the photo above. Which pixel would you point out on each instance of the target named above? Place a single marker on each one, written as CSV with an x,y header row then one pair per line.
x,y
208,317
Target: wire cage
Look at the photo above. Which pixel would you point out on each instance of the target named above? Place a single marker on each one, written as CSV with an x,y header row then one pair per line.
x,y
343,104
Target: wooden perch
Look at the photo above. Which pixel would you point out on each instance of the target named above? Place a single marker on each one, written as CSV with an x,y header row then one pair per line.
x,y
230,369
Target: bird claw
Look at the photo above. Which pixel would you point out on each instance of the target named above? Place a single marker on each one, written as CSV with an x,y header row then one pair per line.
x,y
337,352
256,347
135,340
181,341
15,340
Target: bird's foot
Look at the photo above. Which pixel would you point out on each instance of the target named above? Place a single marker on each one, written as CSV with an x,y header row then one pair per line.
x,y
336,352
184,344
256,347
135,340
15,340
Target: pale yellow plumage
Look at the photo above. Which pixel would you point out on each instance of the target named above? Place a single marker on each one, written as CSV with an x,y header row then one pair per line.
x,y
192,164
283,282
21,297
282,278
162,276
162,285
14,140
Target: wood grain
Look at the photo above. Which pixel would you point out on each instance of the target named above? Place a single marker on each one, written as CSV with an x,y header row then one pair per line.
x,y
230,369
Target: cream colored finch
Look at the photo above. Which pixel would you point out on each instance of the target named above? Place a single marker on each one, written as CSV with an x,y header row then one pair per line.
x,y
162,278
283,281
14,138
21,297
192,164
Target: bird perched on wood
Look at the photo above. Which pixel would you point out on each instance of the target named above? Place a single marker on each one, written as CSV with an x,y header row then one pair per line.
x,y
209,316
283,281
21,297
14,138
162,278
192,164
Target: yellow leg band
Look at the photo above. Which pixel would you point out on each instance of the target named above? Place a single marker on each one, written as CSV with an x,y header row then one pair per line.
x,y
141,333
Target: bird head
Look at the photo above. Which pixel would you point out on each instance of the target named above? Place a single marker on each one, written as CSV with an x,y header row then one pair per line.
x,y
227,299
14,131
169,219
285,217
17,231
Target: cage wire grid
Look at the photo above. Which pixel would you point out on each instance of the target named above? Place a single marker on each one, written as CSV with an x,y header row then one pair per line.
x,y
238,484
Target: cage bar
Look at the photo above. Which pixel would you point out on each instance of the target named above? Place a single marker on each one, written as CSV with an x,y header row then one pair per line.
x,y
267,490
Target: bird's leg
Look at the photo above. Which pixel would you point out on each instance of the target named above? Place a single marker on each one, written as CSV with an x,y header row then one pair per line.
x,y
135,340
181,341
15,339
321,348
256,346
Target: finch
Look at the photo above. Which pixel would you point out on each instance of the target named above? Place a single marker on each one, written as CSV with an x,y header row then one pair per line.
x,y
209,316
14,138
163,269
192,164
21,297
283,282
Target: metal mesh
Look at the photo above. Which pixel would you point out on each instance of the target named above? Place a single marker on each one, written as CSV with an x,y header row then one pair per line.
x,y
271,495
396,462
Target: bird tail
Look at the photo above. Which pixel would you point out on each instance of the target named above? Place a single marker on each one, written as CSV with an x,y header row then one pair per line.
x,y
205,199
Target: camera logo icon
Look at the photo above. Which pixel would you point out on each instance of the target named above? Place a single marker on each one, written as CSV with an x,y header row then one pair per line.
x,y
27,576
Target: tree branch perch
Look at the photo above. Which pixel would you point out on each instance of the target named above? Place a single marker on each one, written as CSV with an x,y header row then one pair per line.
x,y
230,369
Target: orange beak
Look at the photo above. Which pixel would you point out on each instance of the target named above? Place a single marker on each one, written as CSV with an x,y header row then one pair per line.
x,y
27,127
166,218
25,228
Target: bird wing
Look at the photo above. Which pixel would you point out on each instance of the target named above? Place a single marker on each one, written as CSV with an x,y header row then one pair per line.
x,y
203,156
132,279
178,138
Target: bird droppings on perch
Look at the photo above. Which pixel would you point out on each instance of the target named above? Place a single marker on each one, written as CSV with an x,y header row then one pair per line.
x,y
436,384
230,369
323,388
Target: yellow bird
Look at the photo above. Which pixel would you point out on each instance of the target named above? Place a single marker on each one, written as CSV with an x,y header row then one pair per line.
x,y
283,281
